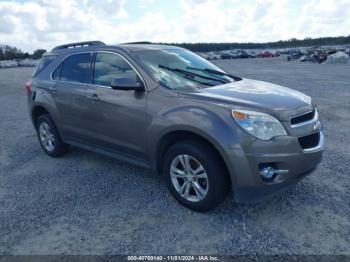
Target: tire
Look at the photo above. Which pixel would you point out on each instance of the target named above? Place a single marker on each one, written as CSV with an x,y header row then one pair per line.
x,y
47,131
198,156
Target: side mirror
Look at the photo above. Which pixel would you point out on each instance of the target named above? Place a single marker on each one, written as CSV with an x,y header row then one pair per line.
x,y
126,83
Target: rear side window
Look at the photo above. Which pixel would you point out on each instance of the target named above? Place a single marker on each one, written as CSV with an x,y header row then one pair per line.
x,y
76,68
56,75
44,62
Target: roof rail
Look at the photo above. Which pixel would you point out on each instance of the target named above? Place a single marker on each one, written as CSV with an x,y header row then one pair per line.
x,y
79,44
137,43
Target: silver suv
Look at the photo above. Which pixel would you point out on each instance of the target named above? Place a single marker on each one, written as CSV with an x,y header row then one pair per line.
x,y
168,109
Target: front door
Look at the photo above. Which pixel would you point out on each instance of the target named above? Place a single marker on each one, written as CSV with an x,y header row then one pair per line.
x,y
117,118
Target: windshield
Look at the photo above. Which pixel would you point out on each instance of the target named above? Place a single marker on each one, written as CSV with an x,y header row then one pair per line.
x,y
179,68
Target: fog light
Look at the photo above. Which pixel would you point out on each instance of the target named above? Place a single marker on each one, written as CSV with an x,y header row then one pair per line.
x,y
267,172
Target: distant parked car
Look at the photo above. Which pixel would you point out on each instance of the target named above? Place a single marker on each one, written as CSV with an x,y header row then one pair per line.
x,y
28,63
305,58
226,55
338,57
213,56
266,54
8,63
347,51
294,55
243,54
252,54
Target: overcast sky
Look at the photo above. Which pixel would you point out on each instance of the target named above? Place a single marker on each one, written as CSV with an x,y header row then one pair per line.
x,y
32,24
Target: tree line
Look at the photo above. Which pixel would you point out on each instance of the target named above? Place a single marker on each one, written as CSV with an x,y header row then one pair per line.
x,y
322,41
9,53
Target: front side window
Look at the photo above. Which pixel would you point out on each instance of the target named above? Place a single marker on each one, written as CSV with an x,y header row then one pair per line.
x,y
76,68
109,66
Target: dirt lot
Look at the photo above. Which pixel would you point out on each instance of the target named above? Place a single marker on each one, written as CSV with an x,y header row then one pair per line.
x,y
85,203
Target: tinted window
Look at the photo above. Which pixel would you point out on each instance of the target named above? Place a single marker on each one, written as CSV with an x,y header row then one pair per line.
x,y
109,66
57,74
76,68
44,62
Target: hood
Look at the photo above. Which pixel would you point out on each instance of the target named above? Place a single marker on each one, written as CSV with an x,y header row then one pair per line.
x,y
274,99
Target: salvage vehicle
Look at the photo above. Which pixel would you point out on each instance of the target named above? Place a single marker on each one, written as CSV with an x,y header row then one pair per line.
x,y
163,107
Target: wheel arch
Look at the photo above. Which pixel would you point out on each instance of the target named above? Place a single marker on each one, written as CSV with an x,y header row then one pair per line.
x,y
175,136
38,111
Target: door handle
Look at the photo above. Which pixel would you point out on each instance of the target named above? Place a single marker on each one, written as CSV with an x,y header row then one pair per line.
x,y
93,97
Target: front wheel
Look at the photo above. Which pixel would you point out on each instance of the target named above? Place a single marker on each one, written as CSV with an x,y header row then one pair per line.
x,y
196,175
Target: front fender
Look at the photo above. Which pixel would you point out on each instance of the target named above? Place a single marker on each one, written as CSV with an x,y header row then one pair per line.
x,y
210,122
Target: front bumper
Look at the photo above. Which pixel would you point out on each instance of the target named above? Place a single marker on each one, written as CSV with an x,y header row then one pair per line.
x,y
284,153
260,193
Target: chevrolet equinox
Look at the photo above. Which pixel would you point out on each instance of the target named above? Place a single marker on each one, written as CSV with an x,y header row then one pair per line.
x,y
165,108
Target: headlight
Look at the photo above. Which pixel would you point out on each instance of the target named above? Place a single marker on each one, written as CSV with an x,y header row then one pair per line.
x,y
260,125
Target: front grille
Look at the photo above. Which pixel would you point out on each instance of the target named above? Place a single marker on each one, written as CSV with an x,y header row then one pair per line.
x,y
309,141
302,118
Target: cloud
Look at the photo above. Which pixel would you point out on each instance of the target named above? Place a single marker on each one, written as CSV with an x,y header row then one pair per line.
x,y
109,8
318,17
7,24
45,23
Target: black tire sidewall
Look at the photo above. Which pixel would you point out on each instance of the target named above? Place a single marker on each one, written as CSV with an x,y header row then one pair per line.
x,y
214,167
60,148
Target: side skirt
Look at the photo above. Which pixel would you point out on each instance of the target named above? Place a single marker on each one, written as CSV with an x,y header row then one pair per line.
x,y
111,153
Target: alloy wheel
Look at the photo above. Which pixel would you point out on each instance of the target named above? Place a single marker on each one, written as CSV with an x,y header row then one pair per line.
x,y
189,178
47,137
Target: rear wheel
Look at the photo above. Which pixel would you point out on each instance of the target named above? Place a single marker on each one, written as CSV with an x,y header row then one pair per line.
x,y
49,137
196,175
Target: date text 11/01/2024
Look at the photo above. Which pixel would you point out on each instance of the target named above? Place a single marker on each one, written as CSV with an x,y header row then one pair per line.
x,y
172,258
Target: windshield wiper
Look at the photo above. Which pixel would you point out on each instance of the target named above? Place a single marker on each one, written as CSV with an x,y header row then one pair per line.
x,y
215,72
197,81
189,73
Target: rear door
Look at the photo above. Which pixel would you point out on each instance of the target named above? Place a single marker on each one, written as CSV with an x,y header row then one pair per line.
x,y
71,79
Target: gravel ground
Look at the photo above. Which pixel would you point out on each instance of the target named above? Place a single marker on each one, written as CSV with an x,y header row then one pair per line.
x,y
84,203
